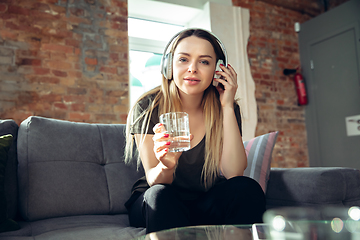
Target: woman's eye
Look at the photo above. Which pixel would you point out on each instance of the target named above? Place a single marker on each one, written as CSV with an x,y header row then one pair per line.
x,y
205,62
182,60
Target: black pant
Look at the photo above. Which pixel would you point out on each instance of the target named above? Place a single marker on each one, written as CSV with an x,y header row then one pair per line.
x,y
239,200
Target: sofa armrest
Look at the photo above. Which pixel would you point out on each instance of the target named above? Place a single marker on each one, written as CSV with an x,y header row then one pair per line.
x,y
313,186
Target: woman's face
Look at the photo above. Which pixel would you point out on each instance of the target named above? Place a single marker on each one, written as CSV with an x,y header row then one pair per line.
x,y
193,65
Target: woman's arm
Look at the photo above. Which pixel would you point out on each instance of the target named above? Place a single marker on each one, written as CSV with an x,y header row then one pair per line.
x,y
155,171
233,160
158,163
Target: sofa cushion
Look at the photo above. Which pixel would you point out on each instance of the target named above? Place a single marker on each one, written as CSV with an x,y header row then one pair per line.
x,y
10,181
89,227
259,153
6,224
68,168
313,186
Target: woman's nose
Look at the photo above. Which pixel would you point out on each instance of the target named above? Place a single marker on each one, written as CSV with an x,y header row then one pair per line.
x,y
192,68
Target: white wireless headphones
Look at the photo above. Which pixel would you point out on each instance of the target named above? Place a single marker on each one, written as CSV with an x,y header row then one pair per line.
x,y
166,61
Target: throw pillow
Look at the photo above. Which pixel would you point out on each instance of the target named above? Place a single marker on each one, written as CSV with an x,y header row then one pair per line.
x,y
259,152
6,224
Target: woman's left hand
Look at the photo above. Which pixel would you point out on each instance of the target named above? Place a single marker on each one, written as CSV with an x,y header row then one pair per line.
x,y
229,81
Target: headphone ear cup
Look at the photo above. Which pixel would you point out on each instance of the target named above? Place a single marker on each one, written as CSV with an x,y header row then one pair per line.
x,y
163,65
217,68
169,66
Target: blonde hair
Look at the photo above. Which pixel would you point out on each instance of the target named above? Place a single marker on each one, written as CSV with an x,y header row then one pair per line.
x,y
167,99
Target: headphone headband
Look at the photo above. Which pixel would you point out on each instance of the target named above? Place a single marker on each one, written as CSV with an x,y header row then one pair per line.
x,y
166,61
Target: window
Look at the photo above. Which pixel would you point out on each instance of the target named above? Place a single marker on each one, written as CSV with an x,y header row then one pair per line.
x,y
144,73
147,42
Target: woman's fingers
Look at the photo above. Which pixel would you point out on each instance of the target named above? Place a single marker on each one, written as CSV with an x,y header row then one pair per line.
x,y
229,77
158,128
227,94
233,73
229,74
160,133
161,145
159,155
163,136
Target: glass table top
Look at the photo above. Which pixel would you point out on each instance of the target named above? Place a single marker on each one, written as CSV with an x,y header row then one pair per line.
x,y
216,232
287,223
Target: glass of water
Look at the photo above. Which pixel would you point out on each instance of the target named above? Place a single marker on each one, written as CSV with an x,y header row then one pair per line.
x,y
177,126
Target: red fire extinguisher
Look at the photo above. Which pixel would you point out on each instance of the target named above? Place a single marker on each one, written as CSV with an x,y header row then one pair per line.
x,y
299,85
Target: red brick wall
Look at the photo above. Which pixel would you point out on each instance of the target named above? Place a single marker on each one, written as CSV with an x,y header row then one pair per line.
x,y
273,46
68,59
64,59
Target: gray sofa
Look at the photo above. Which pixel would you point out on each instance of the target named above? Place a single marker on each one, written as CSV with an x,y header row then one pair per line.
x,y
67,180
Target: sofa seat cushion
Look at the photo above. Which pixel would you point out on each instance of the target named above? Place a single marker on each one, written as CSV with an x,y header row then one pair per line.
x,y
77,227
313,186
68,169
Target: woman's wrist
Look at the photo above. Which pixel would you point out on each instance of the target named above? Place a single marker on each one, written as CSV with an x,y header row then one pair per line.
x,y
160,174
162,167
228,109
165,172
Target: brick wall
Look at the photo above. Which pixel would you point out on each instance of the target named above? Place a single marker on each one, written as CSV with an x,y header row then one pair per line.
x,y
273,46
65,59
68,59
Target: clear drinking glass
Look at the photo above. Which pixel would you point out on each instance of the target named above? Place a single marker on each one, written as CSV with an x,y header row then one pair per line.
x,y
177,126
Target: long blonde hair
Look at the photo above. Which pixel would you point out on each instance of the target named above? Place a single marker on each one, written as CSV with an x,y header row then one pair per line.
x,y
167,99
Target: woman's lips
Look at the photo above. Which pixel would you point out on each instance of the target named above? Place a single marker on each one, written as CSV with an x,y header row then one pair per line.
x,y
191,80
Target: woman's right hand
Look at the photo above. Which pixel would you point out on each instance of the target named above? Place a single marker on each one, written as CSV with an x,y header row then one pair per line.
x,y
161,147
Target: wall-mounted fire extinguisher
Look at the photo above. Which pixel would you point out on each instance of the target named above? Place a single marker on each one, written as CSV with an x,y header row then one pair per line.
x,y
299,85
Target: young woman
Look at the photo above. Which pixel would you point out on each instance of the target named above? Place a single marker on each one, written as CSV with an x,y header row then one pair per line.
x,y
204,185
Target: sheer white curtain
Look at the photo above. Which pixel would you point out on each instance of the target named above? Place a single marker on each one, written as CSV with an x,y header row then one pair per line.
x,y
231,25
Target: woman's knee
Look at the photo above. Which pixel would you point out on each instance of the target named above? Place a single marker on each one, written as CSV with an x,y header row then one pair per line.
x,y
163,208
244,183
246,190
159,194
